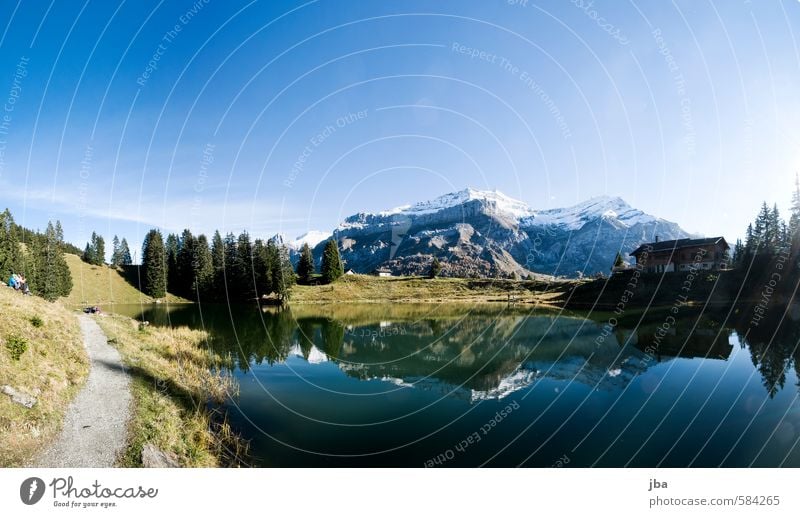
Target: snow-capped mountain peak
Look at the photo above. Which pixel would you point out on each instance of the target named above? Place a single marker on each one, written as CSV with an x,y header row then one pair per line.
x,y
500,201
312,238
603,207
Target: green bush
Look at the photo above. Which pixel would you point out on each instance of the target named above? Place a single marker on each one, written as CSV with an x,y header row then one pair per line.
x,y
36,321
16,346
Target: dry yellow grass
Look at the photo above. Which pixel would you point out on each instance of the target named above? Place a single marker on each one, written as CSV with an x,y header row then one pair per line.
x,y
99,285
52,369
173,379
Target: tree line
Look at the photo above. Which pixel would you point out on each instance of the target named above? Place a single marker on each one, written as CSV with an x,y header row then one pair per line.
x,y
38,256
771,242
229,268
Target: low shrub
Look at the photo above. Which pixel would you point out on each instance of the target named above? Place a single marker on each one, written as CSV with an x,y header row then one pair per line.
x,y
36,321
16,346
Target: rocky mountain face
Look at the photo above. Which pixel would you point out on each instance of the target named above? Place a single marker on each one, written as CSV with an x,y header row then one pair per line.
x,y
486,233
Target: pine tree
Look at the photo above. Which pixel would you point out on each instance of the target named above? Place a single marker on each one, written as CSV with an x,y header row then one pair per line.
x,y
243,273
184,275
171,248
52,278
124,253
305,266
218,266
794,217
99,246
332,267
10,251
154,265
203,268
262,268
618,261
283,277
88,252
115,255
436,268
228,288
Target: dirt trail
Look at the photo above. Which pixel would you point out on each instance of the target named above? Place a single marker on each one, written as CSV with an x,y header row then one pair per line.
x,y
95,427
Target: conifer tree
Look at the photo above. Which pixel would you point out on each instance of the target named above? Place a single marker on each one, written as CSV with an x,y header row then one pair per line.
x,y
332,267
115,251
436,268
10,252
203,268
243,273
218,265
99,247
283,277
171,248
305,266
262,267
794,217
124,253
184,275
154,265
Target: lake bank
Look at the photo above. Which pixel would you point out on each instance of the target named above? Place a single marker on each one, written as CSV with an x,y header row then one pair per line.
x,y
175,382
372,289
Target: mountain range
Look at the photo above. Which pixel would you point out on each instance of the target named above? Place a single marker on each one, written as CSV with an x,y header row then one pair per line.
x,y
486,233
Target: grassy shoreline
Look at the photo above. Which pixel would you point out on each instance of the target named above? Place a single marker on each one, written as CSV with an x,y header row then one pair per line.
x,y
371,289
41,355
175,383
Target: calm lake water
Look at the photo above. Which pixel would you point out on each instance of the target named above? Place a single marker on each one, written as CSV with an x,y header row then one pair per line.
x,y
444,385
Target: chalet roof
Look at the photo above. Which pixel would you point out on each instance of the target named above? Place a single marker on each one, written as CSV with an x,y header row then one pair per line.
x,y
680,243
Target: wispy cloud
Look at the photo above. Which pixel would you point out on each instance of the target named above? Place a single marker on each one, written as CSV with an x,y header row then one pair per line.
x,y
171,214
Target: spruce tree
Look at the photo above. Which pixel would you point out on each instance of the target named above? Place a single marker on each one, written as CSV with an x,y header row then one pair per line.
x,y
229,279
218,266
171,248
283,277
305,266
10,251
243,268
115,255
154,265
262,268
794,217
99,246
52,278
124,253
184,276
618,261
436,268
88,252
332,267
203,268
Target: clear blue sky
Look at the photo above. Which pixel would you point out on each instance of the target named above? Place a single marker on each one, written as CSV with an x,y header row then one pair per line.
x,y
286,116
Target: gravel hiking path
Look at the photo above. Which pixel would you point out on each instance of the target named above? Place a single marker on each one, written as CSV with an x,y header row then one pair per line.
x,y
95,427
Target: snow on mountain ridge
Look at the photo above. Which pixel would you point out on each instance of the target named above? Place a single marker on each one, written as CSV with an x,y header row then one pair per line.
x,y
312,238
605,207
570,218
504,203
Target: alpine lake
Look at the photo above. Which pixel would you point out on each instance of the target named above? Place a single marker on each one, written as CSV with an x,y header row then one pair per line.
x,y
458,385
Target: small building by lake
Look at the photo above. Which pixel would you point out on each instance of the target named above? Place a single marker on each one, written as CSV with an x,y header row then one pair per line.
x,y
708,253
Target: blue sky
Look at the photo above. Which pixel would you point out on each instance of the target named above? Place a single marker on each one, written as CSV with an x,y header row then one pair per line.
x,y
288,116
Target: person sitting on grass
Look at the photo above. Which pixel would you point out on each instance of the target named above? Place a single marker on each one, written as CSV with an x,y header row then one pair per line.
x,y
12,281
23,285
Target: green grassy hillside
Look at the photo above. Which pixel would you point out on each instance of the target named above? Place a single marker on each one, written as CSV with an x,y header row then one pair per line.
x,y
95,285
41,355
